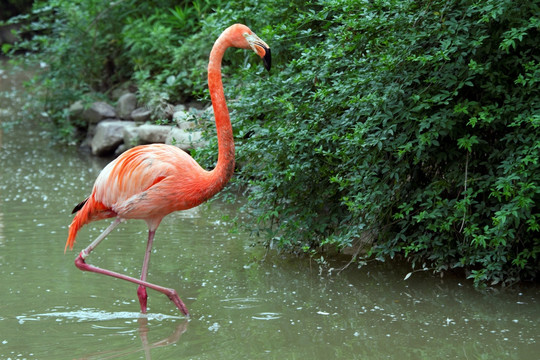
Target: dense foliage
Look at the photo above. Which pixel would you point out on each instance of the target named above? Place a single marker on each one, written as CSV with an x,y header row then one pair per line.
x,y
407,127
416,121
12,8
89,47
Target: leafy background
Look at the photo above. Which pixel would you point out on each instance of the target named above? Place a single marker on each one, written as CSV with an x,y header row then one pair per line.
x,y
386,128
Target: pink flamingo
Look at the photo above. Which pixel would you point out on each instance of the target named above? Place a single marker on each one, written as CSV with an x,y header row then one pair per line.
x,y
149,182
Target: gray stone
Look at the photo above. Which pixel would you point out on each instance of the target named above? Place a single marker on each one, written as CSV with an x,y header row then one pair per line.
x,y
86,144
208,114
120,149
141,114
166,110
76,109
185,140
91,131
179,107
186,125
149,133
98,111
9,33
180,115
121,90
125,105
131,136
109,135
184,120
195,105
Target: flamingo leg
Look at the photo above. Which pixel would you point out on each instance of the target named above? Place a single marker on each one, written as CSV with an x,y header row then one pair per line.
x,y
141,290
100,238
82,265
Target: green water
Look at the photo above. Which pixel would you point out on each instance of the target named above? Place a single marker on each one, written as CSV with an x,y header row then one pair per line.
x,y
242,307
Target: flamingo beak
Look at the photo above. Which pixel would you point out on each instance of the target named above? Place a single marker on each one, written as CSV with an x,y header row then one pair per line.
x,y
267,59
264,52
261,48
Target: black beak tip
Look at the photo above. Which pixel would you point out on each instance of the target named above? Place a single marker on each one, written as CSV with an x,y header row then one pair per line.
x,y
267,59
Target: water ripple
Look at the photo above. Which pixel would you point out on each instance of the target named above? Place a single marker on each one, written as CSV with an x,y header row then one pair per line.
x,y
241,303
93,315
266,316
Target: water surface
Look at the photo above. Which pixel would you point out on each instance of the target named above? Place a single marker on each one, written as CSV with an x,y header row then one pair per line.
x,y
243,307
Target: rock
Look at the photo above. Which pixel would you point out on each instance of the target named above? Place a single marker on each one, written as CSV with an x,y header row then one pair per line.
x,y
149,134
180,115
362,244
91,131
86,144
120,149
208,114
181,119
76,109
185,140
141,114
98,111
125,105
179,107
186,125
109,134
195,105
167,111
9,34
122,89
131,136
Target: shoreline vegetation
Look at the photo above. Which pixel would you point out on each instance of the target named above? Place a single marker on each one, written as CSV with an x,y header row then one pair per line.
x,y
387,129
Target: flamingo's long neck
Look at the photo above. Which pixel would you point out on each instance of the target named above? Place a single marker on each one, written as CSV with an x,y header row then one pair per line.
x,y
225,165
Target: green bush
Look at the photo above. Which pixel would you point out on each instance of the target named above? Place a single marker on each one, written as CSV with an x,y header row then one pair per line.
x,y
416,121
77,45
89,47
169,51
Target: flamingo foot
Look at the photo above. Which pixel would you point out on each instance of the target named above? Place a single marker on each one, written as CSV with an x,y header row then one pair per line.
x,y
173,296
143,298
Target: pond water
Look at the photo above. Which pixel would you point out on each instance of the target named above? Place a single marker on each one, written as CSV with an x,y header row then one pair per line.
x,y
243,304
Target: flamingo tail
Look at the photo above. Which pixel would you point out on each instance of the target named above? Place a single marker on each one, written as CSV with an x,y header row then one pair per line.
x,y
79,206
81,218
87,211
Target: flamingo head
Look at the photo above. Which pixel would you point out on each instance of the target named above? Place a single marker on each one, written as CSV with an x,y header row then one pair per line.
x,y
242,37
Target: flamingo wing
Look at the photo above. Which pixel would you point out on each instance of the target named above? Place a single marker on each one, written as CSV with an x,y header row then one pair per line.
x,y
138,184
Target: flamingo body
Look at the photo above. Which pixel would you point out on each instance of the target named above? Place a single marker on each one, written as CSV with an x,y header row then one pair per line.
x,y
146,182
149,182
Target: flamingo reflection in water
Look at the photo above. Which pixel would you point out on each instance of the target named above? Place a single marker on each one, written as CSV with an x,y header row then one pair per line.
x,y
144,330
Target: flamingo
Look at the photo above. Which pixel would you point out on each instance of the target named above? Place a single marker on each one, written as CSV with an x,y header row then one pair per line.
x,y
149,182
